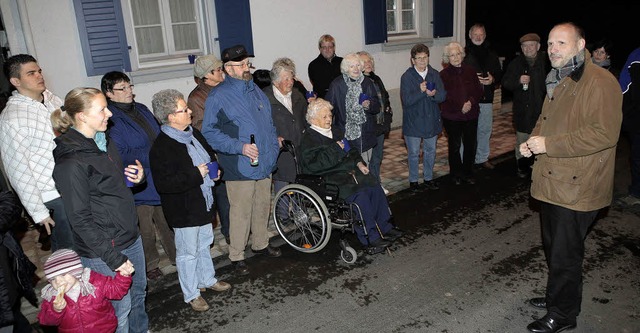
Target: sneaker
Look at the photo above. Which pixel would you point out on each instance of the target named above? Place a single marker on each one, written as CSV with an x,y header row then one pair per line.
x,y
629,200
386,192
269,250
199,304
218,286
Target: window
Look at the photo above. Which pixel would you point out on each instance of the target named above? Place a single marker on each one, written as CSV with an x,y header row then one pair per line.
x,y
402,17
165,29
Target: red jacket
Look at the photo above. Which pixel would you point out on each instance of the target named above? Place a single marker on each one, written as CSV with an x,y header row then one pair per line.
x,y
89,314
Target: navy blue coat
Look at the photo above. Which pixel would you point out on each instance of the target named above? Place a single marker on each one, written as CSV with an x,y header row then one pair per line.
x,y
420,112
133,143
336,96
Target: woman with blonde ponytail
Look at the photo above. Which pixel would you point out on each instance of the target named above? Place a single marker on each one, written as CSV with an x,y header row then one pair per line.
x,y
101,210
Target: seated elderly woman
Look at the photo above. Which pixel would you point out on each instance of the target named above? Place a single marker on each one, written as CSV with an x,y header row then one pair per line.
x,y
323,153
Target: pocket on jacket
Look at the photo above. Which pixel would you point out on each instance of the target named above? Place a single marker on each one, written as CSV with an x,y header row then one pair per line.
x,y
561,183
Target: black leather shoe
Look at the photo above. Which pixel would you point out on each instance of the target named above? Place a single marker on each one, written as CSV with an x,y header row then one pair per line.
x,y
241,267
457,180
393,234
380,243
548,324
538,303
269,250
431,185
413,184
470,180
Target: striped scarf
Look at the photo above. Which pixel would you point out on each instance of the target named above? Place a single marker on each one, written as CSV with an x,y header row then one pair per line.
x,y
557,74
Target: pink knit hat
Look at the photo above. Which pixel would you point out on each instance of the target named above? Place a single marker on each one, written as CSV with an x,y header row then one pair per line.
x,y
61,262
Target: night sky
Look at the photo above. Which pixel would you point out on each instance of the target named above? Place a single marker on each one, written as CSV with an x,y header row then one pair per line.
x,y
506,22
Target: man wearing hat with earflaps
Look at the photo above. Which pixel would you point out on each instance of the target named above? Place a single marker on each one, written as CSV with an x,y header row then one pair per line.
x,y
79,297
525,77
208,72
235,111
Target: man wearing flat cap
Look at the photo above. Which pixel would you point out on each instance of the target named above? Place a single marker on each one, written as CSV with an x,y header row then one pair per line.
x,y
235,111
525,76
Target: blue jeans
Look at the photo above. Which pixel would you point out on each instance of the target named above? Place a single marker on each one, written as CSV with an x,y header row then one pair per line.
x,y
376,157
485,125
193,259
428,157
130,310
61,233
221,204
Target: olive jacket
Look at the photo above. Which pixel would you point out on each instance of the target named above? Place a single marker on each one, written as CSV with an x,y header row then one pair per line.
x,y
581,125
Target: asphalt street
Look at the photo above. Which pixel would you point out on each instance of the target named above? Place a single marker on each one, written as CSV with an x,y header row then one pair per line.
x,y
471,257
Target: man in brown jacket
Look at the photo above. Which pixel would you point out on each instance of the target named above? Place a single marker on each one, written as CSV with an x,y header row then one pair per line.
x,y
574,142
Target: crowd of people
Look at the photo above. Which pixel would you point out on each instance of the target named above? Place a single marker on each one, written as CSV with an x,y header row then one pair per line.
x,y
106,174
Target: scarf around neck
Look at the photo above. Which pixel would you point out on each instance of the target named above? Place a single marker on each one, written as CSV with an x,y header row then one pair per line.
x,y
354,110
557,74
83,287
198,156
324,131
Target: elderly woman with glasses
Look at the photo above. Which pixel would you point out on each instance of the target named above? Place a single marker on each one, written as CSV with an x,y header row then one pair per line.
x,y
323,153
355,104
179,158
460,111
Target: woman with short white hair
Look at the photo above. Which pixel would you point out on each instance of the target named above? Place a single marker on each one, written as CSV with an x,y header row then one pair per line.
x,y
355,105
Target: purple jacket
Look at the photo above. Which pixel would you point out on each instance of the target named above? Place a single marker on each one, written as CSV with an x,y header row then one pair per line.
x,y
461,84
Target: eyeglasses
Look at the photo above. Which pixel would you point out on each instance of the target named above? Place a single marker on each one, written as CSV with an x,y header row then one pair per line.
x,y
453,55
182,111
248,64
125,88
421,58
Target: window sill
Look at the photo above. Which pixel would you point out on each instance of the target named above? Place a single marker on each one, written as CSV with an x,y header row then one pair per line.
x,y
161,73
399,44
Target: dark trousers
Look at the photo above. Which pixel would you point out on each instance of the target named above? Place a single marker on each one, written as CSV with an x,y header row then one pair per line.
x,y
151,218
61,233
375,212
563,234
461,132
634,156
221,204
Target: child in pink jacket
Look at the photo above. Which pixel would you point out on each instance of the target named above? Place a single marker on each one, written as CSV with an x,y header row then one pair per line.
x,y
77,298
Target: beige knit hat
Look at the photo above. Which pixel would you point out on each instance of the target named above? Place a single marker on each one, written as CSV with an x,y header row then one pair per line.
x,y
205,64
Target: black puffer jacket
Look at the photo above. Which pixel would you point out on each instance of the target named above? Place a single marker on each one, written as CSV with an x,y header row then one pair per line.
x,y
99,205
14,283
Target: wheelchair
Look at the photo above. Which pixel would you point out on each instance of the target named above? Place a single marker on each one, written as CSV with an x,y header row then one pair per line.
x,y
305,213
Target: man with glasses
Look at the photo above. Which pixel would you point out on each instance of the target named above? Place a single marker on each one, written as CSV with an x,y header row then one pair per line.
x,y
236,111
421,90
26,147
326,67
133,128
525,77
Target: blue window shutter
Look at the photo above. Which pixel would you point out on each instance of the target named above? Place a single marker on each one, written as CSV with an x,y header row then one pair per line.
x,y
102,35
442,18
375,21
234,24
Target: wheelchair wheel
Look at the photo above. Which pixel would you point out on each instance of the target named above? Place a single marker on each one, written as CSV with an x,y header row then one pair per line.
x,y
348,255
301,218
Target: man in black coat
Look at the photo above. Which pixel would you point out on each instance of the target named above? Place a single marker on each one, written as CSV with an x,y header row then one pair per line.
x,y
525,77
326,67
